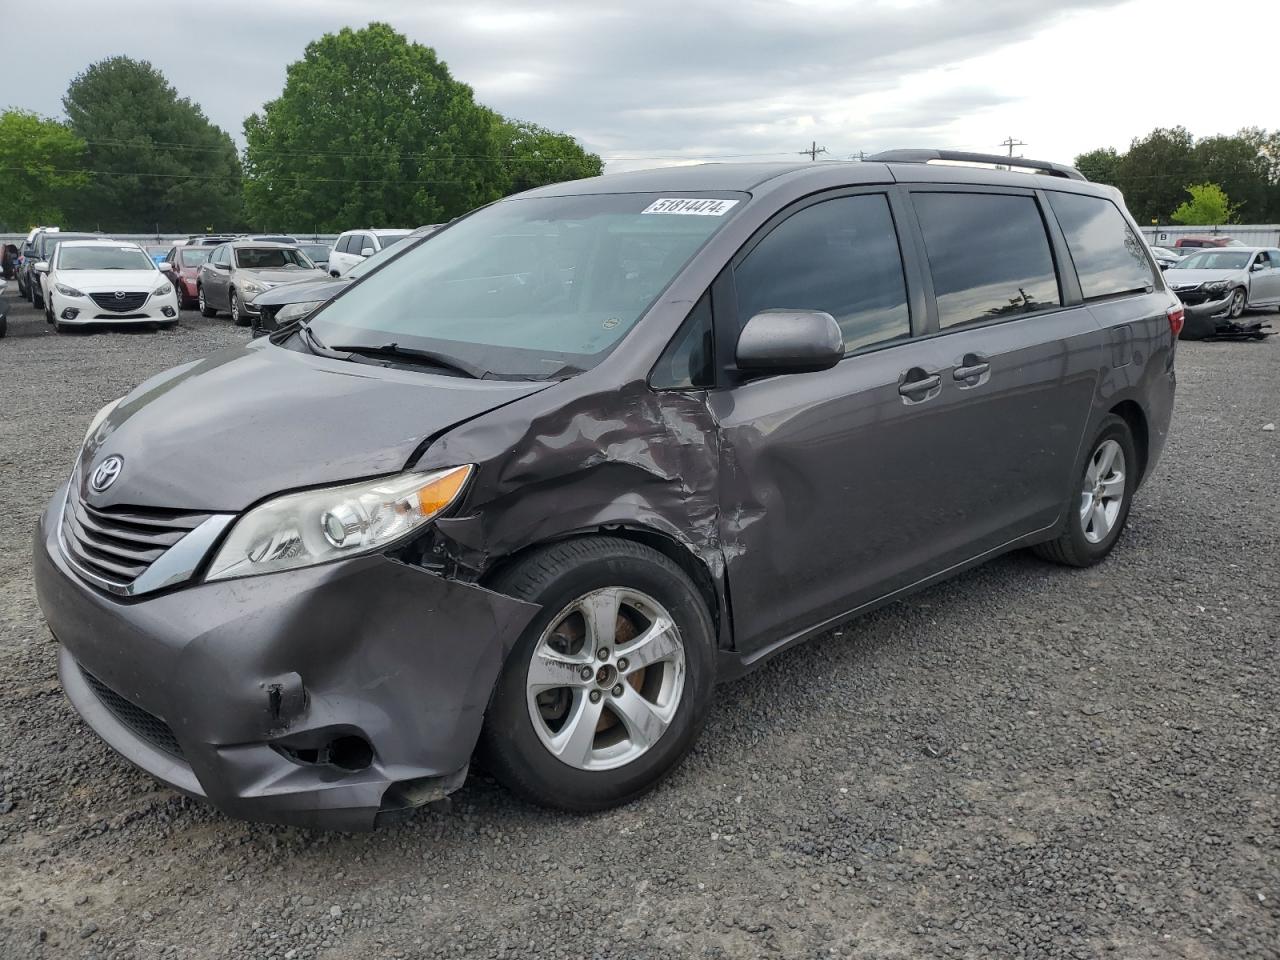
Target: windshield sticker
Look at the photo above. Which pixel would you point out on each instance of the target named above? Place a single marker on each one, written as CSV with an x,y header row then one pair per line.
x,y
690,206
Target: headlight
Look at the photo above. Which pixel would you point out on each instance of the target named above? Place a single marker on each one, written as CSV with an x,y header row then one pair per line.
x,y
161,290
251,286
67,291
303,529
98,417
293,311
1217,286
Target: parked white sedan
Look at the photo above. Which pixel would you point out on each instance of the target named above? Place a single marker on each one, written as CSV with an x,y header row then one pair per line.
x,y
95,281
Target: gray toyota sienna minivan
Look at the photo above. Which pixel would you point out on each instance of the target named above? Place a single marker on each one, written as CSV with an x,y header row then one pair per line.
x,y
532,487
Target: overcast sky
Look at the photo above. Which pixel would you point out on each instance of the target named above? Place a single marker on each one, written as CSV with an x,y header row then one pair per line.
x,y
644,82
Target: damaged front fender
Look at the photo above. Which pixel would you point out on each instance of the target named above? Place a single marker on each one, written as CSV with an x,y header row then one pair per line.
x,y
549,467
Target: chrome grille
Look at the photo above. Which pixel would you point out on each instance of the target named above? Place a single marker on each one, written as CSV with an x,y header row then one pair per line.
x,y
116,303
112,547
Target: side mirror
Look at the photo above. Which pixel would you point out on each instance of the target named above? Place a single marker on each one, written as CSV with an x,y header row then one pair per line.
x,y
1258,266
790,341
41,267
367,252
165,267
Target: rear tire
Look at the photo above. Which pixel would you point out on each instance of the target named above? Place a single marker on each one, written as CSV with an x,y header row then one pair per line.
x,y
1092,528
644,719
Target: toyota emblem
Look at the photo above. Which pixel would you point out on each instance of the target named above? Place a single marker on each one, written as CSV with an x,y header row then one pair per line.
x,y
119,296
106,474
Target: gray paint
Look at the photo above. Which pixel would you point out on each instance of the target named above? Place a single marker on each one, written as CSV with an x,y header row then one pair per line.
x,y
795,499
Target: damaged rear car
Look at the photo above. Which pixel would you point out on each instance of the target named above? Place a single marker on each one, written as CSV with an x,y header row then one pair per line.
x,y
532,487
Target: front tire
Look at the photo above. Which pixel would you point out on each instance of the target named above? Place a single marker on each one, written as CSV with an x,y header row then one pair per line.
x,y
1099,506
205,309
608,687
238,316
1238,301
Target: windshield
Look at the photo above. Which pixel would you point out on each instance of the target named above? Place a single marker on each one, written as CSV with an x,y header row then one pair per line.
x,y
371,263
316,251
528,288
271,258
194,256
1214,260
103,258
50,241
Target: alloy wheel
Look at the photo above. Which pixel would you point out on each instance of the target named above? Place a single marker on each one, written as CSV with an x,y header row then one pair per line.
x,y
606,679
1237,304
1103,490
235,308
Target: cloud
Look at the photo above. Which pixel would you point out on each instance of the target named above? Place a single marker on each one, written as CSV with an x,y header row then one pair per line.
x,y
648,80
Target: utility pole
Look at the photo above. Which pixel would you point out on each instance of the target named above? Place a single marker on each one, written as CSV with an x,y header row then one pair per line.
x,y
813,151
1011,143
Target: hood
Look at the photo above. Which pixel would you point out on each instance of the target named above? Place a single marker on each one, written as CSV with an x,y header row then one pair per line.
x,y
107,281
1179,278
222,433
278,275
303,291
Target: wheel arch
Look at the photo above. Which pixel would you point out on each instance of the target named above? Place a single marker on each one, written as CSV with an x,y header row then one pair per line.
x,y
1132,414
708,584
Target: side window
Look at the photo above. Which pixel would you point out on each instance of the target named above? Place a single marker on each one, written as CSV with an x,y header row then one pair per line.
x,y
360,241
688,360
989,255
840,256
1109,258
344,242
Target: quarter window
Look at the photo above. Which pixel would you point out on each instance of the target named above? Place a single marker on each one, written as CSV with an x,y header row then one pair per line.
x,y
687,361
839,256
989,256
1109,258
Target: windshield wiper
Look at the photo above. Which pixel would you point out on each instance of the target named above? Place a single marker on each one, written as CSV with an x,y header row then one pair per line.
x,y
315,346
393,351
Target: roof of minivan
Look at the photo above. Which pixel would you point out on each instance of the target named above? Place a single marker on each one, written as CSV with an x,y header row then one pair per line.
x,y
750,176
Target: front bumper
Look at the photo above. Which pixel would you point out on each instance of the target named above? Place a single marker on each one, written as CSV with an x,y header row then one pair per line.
x,y
231,690
86,310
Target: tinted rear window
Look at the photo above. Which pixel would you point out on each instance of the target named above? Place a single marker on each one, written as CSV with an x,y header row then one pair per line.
x,y
1109,258
989,256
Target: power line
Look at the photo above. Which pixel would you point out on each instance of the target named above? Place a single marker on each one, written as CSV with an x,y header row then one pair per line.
x,y
199,176
365,155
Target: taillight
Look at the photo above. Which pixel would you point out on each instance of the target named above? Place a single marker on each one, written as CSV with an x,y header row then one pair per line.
x,y
1177,317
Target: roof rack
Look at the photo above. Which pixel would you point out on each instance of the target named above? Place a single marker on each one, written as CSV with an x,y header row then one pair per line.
x,y
961,156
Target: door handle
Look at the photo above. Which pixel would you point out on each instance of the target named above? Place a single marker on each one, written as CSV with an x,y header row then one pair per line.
x,y
917,384
972,366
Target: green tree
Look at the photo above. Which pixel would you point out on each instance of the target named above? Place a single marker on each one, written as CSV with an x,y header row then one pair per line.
x,y
1153,172
1100,166
538,156
373,129
1208,206
1240,169
40,167
155,158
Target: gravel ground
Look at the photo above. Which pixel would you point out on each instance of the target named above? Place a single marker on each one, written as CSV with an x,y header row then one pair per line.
x,y
1027,761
